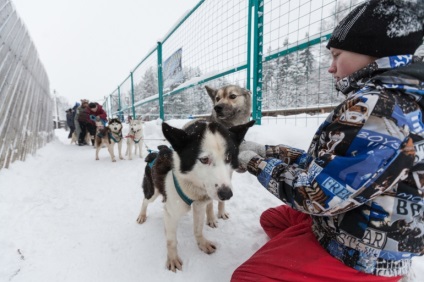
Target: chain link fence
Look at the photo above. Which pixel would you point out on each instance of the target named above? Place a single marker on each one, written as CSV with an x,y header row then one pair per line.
x,y
275,48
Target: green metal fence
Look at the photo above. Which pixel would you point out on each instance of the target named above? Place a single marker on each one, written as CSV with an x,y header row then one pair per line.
x,y
275,48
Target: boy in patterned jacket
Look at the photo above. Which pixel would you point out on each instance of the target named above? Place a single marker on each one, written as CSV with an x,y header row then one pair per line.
x,y
354,208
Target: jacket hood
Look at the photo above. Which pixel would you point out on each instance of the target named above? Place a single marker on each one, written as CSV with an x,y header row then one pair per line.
x,y
410,78
398,70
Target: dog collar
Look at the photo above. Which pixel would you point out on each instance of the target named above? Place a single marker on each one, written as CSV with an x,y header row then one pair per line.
x,y
180,192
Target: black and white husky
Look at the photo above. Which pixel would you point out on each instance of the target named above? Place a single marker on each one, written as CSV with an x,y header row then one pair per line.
x,y
201,163
108,136
115,127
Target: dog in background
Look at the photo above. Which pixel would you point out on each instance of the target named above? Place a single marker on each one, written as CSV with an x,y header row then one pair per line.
x,y
74,138
115,127
102,138
232,105
135,138
203,158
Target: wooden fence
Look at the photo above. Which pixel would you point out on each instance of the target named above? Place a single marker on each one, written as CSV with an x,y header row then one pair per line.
x,y
26,106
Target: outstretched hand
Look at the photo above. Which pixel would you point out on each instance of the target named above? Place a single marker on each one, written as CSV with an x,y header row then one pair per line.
x,y
244,158
259,149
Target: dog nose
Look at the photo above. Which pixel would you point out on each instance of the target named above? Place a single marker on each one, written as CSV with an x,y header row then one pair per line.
x,y
225,193
218,109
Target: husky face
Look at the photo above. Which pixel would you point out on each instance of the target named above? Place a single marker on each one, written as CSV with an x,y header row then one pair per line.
x,y
231,105
115,125
136,125
206,155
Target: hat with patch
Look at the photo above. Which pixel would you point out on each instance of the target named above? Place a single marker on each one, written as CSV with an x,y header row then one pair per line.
x,y
381,28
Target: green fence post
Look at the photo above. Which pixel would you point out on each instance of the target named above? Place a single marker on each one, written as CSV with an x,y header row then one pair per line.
x,y
258,11
160,82
249,45
119,99
132,96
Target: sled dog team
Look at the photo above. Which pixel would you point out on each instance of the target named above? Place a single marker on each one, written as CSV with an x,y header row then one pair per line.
x,y
108,136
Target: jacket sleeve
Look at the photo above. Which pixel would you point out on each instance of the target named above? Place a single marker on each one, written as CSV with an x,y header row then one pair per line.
x,y
85,116
362,150
101,113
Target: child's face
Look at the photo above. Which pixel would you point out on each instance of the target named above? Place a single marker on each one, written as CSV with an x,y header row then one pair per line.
x,y
345,63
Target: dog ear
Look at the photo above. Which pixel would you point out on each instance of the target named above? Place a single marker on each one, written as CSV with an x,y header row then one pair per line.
x,y
247,92
175,136
211,92
241,130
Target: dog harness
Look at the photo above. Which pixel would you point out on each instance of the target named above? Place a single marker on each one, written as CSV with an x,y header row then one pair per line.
x,y
180,192
132,136
119,137
150,164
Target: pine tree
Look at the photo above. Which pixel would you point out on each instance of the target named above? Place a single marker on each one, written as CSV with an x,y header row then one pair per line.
x,y
268,79
282,79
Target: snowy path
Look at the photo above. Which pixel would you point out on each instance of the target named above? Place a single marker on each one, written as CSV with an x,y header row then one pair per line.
x,y
66,217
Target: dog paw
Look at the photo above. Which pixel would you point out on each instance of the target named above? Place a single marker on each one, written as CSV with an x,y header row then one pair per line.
x,y
174,263
207,247
141,219
224,215
212,222
97,159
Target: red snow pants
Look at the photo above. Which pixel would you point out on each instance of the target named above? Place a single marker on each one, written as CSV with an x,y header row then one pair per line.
x,y
294,254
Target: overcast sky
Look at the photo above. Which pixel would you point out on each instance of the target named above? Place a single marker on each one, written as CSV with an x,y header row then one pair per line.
x,y
88,47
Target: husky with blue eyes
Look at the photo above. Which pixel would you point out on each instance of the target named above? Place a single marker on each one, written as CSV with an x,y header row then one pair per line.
x,y
201,162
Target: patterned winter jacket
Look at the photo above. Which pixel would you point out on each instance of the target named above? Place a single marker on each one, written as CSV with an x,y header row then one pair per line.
x,y
362,179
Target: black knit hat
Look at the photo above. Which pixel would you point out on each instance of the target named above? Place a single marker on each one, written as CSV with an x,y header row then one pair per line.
x,y
381,28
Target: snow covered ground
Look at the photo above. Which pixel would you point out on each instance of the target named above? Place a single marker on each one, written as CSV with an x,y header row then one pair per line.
x,y
66,217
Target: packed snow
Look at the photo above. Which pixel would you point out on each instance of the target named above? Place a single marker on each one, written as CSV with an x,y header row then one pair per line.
x,y
66,217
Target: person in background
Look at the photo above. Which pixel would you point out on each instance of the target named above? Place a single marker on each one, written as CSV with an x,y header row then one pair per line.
x,y
95,110
85,123
76,123
120,115
70,122
354,201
